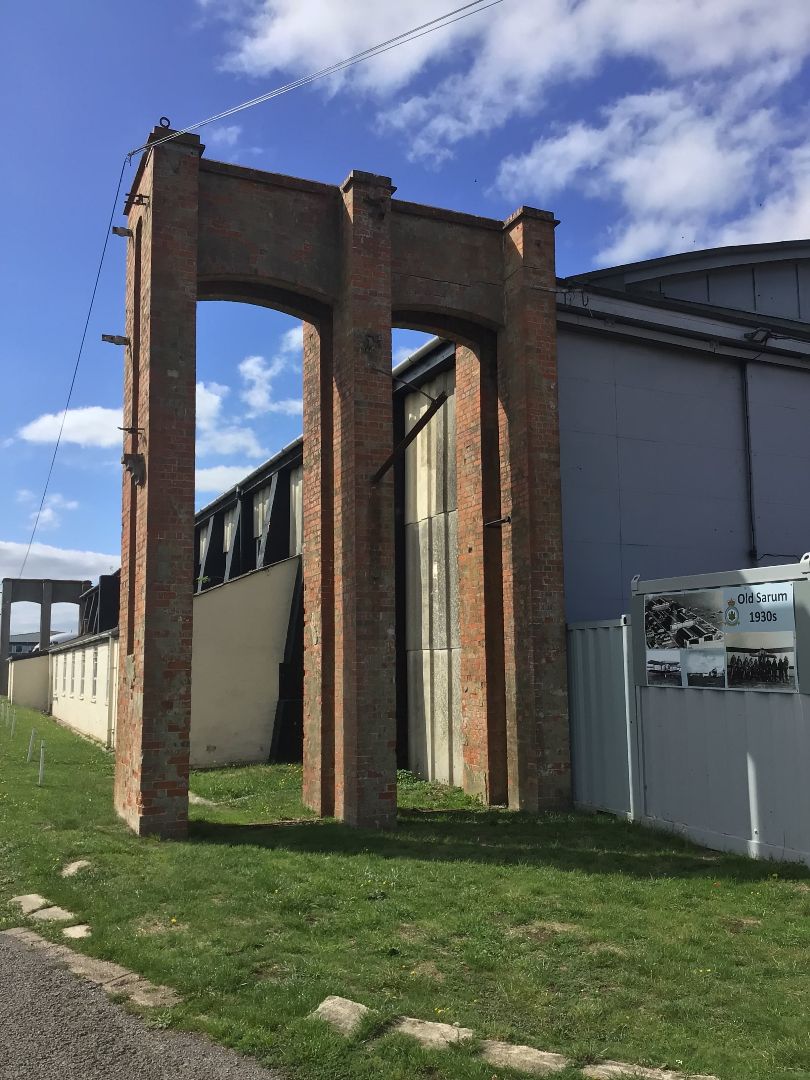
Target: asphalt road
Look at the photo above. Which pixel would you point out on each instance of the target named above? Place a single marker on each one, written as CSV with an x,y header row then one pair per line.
x,y
56,1026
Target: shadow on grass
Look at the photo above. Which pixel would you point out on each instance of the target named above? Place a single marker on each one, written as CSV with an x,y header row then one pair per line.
x,y
592,844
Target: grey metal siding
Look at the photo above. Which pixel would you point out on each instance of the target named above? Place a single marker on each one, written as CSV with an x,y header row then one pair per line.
x,y
653,466
731,768
601,716
779,407
780,288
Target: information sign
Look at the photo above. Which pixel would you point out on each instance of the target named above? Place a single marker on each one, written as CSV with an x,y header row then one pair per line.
x,y
740,638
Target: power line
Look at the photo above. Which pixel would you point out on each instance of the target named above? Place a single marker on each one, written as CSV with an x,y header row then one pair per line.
x,y
75,366
414,34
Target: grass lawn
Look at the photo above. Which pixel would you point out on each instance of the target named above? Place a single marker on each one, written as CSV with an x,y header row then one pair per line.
x,y
578,934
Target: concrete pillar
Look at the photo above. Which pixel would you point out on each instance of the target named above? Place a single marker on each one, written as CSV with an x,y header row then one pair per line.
x,y
154,686
538,749
5,634
46,603
480,588
318,566
364,681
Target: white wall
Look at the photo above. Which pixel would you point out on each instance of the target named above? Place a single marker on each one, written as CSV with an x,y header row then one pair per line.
x,y
29,683
86,706
240,632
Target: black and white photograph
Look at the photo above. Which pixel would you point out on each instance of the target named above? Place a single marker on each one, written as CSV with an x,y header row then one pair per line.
x,y
663,667
705,668
684,620
762,662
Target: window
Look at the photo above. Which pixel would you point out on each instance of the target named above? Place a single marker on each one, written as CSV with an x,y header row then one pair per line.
x,y
81,674
94,683
72,673
64,672
296,509
56,676
261,514
204,530
228,528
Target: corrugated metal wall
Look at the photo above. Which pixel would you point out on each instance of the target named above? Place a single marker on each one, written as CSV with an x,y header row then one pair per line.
x,y
653,460
728,769
601,715
769,288
431,574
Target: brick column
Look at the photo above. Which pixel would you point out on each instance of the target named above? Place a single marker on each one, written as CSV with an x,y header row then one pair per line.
x,y
480,589
538,747
365,697
157,557
318,564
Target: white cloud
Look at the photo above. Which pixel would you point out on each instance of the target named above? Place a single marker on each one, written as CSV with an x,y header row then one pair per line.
x,y
210,397
24,495
258,375
219,478
506,59
681,164
50,516
216,437
91,425
227,135
229,439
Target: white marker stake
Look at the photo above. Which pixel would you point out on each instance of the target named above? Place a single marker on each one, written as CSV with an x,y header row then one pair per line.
x,y
31,742
41,763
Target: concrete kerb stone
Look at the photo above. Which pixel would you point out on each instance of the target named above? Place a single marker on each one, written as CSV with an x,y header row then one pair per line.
x,y
345,1016
342,1014
53,914
111,977
431,1035
522,1058
30,902
82,930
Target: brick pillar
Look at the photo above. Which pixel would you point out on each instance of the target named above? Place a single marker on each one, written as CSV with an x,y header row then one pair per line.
x,y
538,747
319,582
365,662
157,557
480,588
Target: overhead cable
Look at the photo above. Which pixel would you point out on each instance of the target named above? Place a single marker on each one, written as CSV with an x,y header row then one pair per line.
x,y
375,50
75,366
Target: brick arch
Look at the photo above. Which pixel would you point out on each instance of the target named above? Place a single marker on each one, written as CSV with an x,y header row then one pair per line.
x,y
351,262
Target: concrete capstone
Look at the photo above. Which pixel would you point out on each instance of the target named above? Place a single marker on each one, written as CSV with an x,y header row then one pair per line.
x,y
342,1014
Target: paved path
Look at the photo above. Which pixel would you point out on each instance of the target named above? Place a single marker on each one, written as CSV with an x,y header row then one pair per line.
x,y
56,1026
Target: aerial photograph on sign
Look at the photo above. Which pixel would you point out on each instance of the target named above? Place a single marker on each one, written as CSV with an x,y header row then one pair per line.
x,y
683,620
705,668
664,667
762,662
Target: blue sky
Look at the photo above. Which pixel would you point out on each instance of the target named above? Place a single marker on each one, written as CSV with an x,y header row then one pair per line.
x,y
647,127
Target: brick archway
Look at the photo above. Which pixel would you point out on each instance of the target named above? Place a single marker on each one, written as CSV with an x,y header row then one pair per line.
x,y
351,262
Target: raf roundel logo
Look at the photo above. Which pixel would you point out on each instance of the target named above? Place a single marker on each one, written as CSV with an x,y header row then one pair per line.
x,y
732,615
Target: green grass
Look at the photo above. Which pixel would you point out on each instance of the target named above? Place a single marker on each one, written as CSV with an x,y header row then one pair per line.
x,y
578,934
